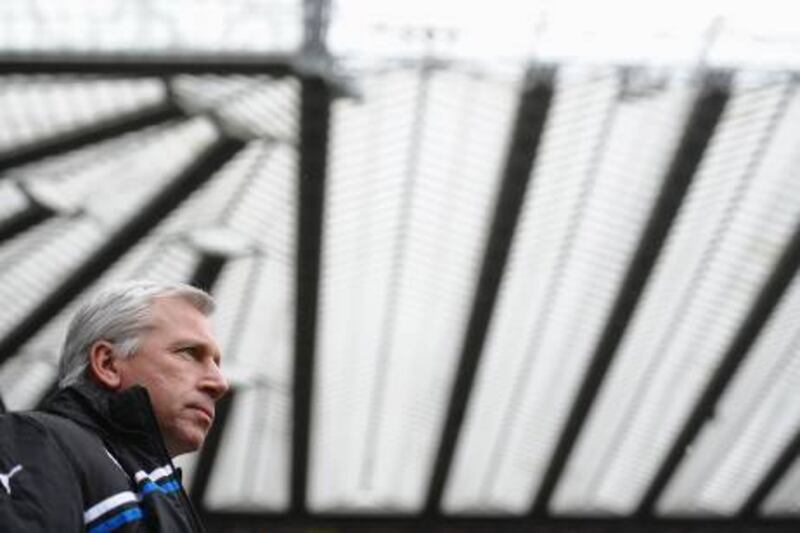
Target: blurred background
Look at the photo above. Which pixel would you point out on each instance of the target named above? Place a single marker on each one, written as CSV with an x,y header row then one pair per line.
x,y
509,265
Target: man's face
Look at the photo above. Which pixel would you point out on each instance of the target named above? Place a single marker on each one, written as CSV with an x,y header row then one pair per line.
x,y
178,363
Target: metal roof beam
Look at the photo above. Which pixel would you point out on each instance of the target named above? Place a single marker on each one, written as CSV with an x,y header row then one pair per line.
x,y
194,176
769,296
700,127
252,522
315,109
314,124
532,112
207,271
34,214
209,452
205,276
316,15
775,473
146,65
89,134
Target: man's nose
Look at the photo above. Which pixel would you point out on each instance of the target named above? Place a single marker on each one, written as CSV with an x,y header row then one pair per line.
x,y
215,383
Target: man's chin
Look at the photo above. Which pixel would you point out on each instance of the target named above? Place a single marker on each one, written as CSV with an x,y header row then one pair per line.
x,y
190,442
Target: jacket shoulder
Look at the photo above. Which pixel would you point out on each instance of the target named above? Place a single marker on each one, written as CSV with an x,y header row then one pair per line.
x,y
117,492
108,493
39,490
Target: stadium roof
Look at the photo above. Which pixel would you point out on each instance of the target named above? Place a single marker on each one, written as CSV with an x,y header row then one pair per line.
x,y
541,276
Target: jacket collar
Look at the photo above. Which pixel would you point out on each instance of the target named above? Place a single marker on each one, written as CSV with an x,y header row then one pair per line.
x,y
127,414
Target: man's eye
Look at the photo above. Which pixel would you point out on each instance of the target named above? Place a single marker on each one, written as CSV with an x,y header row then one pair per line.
x,y
189,352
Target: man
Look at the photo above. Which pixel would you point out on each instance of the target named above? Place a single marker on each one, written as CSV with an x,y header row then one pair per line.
x,y
138,379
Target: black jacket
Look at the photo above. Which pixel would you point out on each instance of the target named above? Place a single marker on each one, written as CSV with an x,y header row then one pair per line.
x,y
92,461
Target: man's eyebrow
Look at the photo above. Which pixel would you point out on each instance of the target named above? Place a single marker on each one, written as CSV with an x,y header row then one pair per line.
x,y
199,344
194,344
186,343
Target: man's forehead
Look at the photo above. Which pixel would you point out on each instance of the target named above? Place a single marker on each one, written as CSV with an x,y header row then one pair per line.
x,y
175,323
175,305
176,314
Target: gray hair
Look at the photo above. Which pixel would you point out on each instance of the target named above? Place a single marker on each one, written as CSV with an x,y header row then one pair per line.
x,y
119,314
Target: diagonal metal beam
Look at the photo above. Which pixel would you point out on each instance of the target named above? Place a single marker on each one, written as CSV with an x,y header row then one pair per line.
x,y
32,215
209,452
194,176
131,65
532,111
91,133
769,296
205,277
314,124
207,271
701,124
781,465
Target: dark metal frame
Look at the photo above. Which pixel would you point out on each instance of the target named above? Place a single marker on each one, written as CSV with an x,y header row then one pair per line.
x,y
315,116
532,113
209,452
119,242
147,65
772,291
699,129
780,466
21,221
317,95
205,277
244,522
91,133
315,112
207,271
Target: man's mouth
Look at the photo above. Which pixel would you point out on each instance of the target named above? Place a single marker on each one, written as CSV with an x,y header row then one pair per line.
x,y
209,413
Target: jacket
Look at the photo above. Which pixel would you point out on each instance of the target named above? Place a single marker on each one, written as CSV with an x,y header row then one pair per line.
x,y
94,461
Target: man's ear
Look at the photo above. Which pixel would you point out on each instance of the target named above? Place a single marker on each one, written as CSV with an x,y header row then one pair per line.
x,y
104,366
